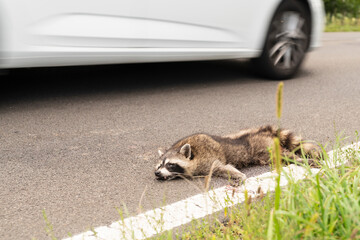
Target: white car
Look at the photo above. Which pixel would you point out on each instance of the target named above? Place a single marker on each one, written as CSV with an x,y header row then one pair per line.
x,y
275,33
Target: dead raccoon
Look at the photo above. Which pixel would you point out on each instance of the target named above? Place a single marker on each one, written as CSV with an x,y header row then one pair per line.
x,y
196,154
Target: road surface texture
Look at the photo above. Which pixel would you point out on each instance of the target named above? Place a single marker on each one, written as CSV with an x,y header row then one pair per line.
x,y
79,142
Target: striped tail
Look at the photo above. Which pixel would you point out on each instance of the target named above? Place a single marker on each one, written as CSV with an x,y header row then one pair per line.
x,y
296,144
290,142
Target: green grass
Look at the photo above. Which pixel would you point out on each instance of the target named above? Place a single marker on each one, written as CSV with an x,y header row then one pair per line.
x,y
323,206
343,25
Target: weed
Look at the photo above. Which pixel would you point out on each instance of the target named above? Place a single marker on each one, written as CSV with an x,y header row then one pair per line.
x,y
49,228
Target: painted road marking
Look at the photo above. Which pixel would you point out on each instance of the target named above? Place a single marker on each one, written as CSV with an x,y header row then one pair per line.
x,y
174,215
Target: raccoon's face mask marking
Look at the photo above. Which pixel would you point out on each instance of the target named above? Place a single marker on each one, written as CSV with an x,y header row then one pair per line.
x,y
172,164
169,169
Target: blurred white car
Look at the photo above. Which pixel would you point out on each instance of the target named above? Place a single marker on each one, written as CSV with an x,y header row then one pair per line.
x,y
275,33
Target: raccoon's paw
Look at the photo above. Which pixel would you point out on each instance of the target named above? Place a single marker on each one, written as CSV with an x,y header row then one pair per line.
x,y
238,181
235,184
240,176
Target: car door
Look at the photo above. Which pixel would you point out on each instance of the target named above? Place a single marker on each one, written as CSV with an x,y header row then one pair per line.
x,y
143,23
207,23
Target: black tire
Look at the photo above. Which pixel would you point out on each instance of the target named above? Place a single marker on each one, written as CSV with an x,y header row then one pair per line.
x,y
285,45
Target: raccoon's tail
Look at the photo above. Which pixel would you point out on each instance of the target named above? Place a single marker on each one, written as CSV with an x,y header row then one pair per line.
x,y
293,143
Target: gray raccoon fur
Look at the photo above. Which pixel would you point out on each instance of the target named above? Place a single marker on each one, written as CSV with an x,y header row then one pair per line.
x,y
196,154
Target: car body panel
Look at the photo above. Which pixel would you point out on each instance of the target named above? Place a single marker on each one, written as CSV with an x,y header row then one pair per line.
x,y
318,22
57,33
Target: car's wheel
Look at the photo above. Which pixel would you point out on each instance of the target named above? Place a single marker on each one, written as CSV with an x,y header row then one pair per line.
x,y
286,42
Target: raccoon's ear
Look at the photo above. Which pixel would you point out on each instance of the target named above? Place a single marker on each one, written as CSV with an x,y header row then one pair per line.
x,y
160,153
186,150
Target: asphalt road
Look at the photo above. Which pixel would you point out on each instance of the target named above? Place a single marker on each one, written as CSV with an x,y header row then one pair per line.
x,y
78,142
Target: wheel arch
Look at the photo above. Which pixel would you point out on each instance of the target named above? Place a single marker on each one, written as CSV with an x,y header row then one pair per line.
x,y
306,4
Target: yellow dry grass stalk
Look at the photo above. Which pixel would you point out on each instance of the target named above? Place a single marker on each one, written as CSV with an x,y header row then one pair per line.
x,y
279,100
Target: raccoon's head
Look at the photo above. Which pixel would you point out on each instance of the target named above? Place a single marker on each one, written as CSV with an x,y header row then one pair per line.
x,y
173,163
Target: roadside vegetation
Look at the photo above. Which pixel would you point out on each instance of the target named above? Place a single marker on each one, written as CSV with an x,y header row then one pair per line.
x,y
342,24
324,205
342,15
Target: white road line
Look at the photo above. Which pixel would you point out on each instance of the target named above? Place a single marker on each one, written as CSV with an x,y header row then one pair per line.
x,y
174,215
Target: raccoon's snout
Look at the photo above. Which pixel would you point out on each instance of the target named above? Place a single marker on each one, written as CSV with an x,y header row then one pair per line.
x,y
157,173
159,176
